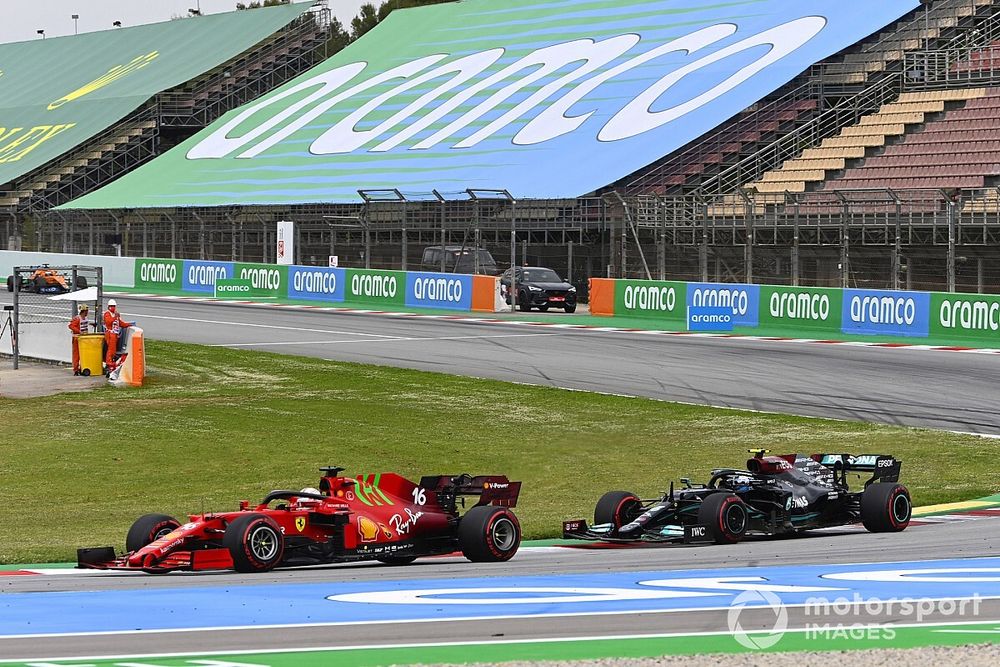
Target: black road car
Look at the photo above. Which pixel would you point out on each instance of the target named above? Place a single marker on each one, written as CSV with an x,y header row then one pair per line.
x,y
774,495
539,288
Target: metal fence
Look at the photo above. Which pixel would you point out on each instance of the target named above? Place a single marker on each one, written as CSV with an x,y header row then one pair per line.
x,y
918,239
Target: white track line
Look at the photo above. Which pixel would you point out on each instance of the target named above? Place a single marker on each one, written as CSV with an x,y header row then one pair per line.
x,y
385,339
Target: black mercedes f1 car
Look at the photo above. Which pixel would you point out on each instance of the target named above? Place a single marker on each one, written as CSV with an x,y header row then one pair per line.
x,y
774,495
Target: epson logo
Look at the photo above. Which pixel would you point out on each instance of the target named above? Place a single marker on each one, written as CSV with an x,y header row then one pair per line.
x,y
883,310
263,279
317,282
443,100
158,273
373,286
970,315
721,297
800,306
662,299
206,275
885,463
438,289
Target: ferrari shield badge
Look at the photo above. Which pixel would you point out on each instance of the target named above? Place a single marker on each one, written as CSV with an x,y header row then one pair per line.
x,y
300,523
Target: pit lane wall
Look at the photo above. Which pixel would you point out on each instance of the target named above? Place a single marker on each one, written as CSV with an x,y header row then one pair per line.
x,y
383,290
934,318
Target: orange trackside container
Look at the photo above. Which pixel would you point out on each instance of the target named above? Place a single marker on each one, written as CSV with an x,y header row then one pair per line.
x,y
602,296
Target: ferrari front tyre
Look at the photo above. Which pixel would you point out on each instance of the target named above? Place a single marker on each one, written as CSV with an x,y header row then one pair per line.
x,y
618,508
149,528
886,507
255,542
488,534
726,516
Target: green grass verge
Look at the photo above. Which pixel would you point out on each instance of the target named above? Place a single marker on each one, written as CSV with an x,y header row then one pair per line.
x,y
214,426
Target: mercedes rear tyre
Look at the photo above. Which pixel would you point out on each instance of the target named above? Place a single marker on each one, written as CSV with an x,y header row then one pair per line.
x,y
726,516
255,542
619,508
886,507
489,534
149,528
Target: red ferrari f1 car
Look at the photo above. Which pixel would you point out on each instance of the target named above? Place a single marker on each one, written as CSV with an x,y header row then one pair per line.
x,y
381,517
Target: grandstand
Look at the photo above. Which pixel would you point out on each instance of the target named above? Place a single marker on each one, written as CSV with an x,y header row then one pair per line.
x,y
874,166
189,72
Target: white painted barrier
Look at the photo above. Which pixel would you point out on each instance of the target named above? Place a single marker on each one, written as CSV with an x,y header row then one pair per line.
x,y
118,271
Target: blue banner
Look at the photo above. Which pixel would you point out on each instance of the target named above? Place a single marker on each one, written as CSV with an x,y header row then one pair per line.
x,y
881,313
741,300
551,99
439,290
312,283
200,276
710,319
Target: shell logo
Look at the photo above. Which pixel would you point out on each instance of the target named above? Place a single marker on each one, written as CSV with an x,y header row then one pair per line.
x,y
486,485
368,529
112,75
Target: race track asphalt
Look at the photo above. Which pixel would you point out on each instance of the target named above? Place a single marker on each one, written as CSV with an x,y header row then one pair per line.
x,y
978,538
943,390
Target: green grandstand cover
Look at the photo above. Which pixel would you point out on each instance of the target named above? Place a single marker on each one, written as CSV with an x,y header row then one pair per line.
x,y
544,98
57,93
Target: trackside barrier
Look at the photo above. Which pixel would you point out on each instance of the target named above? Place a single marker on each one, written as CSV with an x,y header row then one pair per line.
x,y
971,320
118,271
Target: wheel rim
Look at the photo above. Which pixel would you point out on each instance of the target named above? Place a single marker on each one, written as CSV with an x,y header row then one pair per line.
x,y
162,532
736,519
263,543
628,511
901,508
503,533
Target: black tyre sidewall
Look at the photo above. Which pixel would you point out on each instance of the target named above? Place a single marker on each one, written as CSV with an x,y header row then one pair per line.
x,y
237,537
145,529
714,513
610,508
878,504
475,534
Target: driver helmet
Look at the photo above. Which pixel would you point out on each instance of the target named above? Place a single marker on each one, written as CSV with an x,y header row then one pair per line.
x,y
308,501
309,489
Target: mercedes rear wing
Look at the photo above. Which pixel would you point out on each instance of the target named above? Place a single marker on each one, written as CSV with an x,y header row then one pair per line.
x,y
884,468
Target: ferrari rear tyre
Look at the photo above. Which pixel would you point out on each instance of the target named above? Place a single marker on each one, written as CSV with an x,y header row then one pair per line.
x,y
147,529
397,560
618,508
726,516
255,542
488,534
886,507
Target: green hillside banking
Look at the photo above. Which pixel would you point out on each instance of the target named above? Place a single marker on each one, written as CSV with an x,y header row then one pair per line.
x,y
214,426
